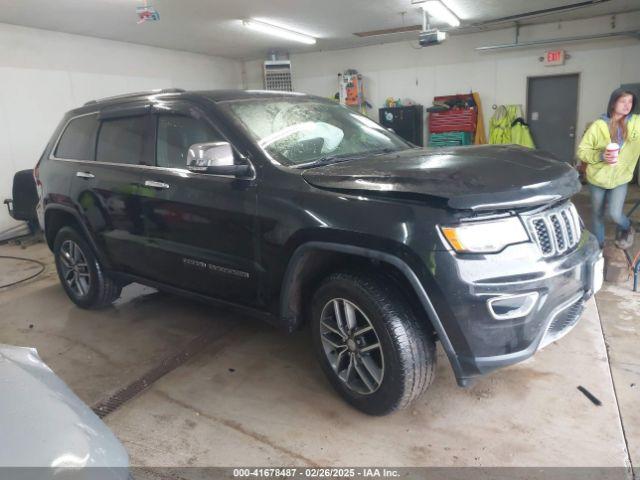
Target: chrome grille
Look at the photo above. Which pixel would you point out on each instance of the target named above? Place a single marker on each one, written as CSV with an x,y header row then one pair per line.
x,y
567,225
542,235
559,234
555,230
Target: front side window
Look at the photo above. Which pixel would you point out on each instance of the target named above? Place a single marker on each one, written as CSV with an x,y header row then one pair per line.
x,y
79,139
297,132
176,134
123,140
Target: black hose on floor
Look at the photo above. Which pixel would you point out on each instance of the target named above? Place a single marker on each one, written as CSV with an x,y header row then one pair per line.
x,y
8,257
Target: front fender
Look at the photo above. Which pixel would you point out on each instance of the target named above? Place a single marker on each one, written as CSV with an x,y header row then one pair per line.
x,y
297,264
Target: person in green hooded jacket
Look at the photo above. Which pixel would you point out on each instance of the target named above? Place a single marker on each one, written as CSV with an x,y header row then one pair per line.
x,y
607,173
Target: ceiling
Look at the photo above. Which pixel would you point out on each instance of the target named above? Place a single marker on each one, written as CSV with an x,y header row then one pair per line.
x,y
213,27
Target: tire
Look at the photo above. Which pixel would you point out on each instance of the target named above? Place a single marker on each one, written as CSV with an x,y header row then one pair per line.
x,y
381,379
80,272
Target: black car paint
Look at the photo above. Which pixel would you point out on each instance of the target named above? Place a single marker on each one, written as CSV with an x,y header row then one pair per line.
x,y
459,175
242,240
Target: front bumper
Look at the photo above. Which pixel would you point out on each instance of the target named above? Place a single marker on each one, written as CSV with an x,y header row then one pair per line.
x,y
481,342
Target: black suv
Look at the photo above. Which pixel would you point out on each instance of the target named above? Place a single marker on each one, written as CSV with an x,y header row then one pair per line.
x,y
303,210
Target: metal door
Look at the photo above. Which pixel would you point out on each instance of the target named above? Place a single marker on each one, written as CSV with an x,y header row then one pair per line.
x,y
200,228
552,111
106,190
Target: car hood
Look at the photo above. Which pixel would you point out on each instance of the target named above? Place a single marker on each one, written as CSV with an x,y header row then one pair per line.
x,y
44,424
476,178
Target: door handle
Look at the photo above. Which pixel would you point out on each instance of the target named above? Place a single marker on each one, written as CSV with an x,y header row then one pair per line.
x,y
152,184
85,175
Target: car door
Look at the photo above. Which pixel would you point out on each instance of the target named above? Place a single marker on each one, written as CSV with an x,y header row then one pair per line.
x,y
200,228
106,191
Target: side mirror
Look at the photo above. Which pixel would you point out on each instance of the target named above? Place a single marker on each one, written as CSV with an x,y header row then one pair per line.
x,y
215,158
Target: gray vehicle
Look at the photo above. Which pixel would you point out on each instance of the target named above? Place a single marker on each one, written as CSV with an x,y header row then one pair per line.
x,y
46,430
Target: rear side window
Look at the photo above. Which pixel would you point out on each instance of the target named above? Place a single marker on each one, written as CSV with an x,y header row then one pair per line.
x,y
123,140
79,139
176,134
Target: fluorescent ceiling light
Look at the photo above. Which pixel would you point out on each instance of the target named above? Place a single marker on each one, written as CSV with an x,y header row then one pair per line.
x,y
279,31
439,11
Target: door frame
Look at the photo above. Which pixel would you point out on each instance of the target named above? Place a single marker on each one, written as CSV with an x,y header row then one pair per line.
x,y
578,98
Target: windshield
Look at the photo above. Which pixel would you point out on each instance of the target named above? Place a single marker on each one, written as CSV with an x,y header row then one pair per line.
x,y
299,133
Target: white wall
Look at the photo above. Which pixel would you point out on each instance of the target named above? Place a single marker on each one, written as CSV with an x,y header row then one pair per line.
x,y
401,70
43,74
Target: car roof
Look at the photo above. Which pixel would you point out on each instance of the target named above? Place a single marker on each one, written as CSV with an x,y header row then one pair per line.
x,y
174,93
229,95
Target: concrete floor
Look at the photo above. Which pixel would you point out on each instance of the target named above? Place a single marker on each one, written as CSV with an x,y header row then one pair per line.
x,y
255,396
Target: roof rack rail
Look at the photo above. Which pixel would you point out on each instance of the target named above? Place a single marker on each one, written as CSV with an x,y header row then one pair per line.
x,y
137,94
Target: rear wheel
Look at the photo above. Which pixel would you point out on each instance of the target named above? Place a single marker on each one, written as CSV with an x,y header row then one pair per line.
x,y
80,272
372,348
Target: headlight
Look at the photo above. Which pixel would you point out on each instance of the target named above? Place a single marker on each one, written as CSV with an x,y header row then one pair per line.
x,y
485,237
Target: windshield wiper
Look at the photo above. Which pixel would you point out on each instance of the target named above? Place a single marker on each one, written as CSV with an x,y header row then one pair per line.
x,y
344,157
328,160
382,151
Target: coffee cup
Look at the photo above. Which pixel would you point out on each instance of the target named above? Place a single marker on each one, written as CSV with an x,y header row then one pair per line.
x,y
613,149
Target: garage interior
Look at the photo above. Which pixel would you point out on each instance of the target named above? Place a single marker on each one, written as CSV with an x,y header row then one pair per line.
x,y
186,384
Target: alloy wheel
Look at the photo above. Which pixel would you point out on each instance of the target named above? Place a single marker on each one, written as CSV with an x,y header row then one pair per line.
x,y
352,346
75,269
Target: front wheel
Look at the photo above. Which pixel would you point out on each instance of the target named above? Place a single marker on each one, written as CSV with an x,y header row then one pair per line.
x,y
372,348
80,272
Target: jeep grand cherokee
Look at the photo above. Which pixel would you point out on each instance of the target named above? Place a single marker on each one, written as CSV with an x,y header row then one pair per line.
x,y
302,210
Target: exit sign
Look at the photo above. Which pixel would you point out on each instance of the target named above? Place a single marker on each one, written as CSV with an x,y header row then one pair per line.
x,y
554,57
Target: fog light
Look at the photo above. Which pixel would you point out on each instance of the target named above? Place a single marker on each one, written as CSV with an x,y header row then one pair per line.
x,y
512,306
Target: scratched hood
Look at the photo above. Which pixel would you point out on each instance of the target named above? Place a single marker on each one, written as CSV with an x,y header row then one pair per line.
x,y
476,178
